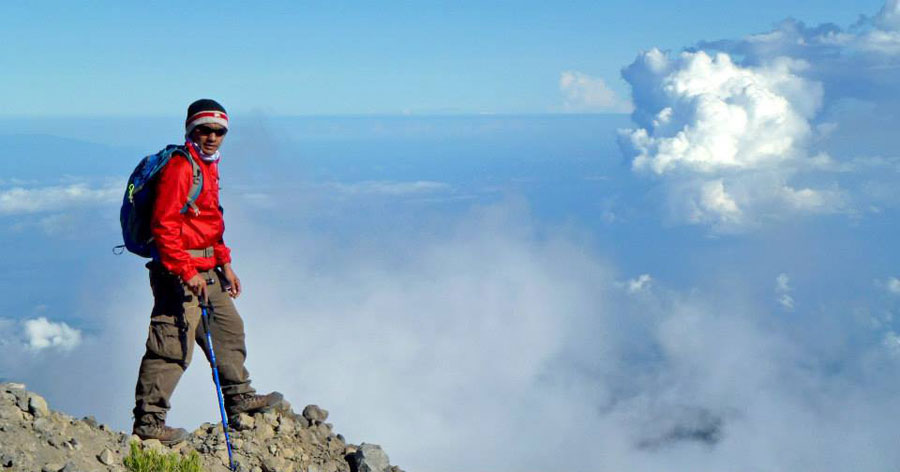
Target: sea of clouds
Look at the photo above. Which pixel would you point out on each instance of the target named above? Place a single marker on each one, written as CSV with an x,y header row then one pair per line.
x,y
496,345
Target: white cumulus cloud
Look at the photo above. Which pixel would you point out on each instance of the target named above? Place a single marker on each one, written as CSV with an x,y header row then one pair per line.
x,y
779,123
725,138
583,92
705,113
860,62
41,333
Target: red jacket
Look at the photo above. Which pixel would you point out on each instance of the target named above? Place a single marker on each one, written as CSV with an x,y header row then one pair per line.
x,y
175,232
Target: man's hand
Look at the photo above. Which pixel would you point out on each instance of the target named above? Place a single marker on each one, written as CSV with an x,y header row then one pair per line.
x,y
198,285
235,289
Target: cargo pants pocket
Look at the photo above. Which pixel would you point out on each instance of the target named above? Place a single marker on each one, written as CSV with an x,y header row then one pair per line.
x,y
167,339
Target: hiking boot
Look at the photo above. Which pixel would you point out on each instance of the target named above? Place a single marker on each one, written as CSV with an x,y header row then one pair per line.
x,y
252,403
166,435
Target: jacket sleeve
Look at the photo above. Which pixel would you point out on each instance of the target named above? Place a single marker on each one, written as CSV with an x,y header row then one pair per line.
x,y
167,221
223,253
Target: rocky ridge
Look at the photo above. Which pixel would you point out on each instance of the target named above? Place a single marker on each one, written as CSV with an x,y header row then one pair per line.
x,y
35,438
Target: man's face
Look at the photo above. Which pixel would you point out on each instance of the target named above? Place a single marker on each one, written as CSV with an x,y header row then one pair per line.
x,y
209,137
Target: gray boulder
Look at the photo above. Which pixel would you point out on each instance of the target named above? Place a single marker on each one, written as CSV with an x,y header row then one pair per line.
x,y
37,406
314,414
371,458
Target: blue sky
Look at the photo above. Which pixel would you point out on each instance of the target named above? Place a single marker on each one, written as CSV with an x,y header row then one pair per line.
x,y
114,58
486,235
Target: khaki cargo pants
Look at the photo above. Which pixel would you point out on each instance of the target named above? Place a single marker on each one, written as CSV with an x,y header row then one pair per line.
x,y
175,325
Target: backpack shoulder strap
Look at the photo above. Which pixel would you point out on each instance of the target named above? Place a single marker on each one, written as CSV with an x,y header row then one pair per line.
x,y
196,182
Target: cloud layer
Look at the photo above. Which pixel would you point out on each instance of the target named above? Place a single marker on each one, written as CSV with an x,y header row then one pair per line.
x,y
390,188
23,200
498,344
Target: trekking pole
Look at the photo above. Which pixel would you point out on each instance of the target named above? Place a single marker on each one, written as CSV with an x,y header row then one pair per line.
x,y
215,369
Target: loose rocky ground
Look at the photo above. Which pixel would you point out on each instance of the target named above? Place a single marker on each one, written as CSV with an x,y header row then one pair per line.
x,y
35,438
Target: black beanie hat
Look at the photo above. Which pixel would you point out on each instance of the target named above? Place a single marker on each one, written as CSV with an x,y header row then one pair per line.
x,y
205,111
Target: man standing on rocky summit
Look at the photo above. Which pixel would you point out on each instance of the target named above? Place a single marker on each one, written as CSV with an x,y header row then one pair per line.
x,y
191,263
